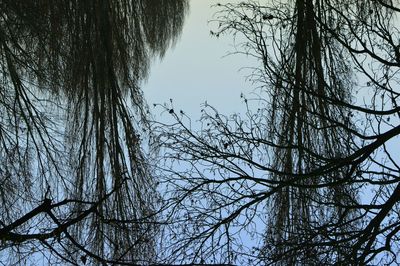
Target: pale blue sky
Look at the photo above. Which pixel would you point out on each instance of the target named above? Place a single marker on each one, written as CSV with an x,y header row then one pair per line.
x,y
195,69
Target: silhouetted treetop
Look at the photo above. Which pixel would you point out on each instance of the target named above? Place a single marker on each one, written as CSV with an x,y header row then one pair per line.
x,y
311,159
71,118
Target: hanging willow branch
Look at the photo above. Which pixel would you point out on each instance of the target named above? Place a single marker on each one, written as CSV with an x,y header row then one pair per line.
x,y
72,116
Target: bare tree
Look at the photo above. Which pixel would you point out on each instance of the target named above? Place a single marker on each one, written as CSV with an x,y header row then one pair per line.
x,y
76,184
314,162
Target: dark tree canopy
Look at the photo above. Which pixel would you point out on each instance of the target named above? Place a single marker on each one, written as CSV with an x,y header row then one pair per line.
x,y
75,181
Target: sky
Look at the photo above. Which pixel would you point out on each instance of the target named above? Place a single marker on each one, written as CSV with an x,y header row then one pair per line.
x,y
197,68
